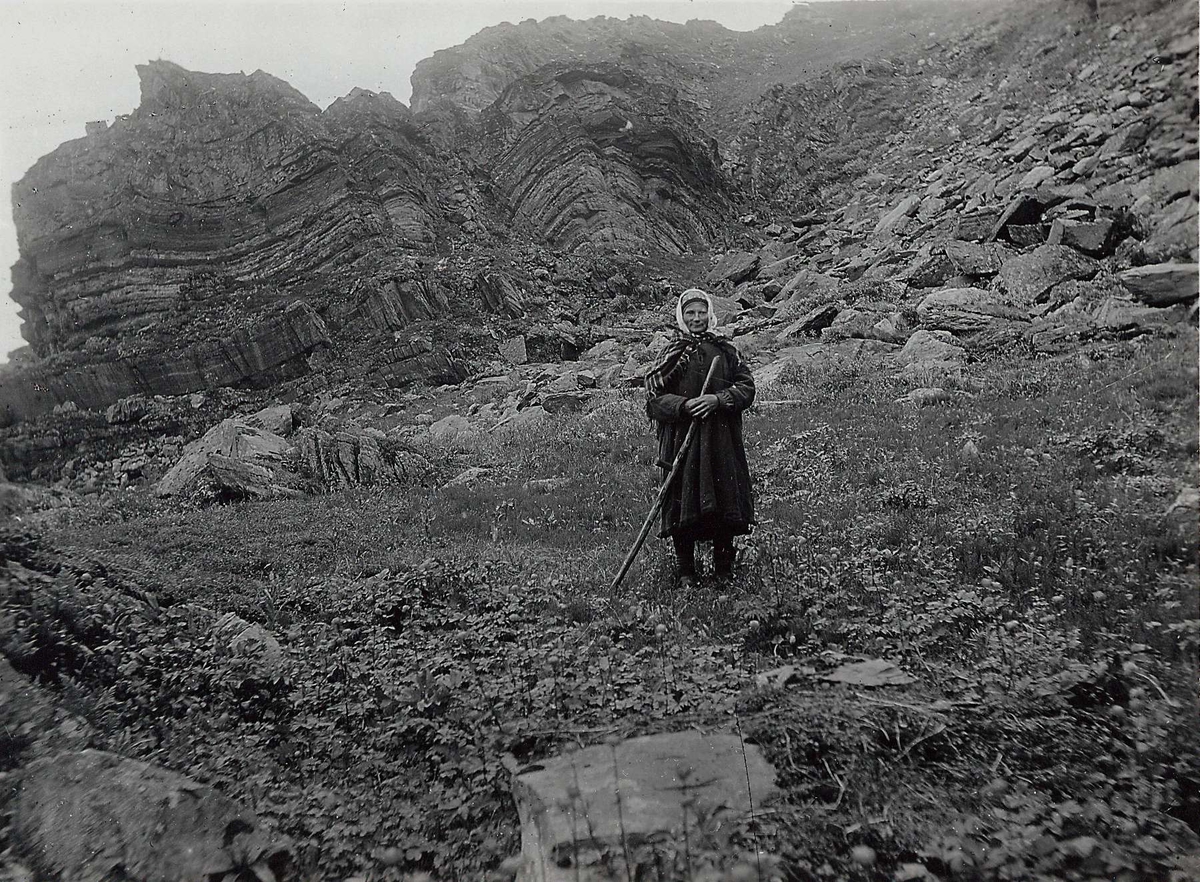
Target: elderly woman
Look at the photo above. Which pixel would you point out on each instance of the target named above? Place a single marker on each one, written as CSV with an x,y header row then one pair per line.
x,y
710,500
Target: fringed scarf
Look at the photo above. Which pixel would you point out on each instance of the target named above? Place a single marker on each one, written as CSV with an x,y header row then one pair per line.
x,y
680,349
675,357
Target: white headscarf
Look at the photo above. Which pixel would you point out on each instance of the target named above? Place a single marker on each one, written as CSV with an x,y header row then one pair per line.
x,y
687,297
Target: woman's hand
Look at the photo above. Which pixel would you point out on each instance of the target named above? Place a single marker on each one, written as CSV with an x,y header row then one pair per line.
x,y
699,408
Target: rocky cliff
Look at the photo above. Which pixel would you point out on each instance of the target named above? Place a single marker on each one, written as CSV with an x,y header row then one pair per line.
x,y
229,232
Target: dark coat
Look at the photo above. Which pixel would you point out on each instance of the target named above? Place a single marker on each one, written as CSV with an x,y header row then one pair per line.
x,y
711,495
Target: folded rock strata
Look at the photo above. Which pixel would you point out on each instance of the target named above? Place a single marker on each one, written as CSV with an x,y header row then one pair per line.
x,y
238,175
600,157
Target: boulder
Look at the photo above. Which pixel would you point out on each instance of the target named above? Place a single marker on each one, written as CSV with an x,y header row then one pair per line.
x,y
964,310
734,267
772,372
602,350
449,428
726,308
1173,232
892,220
81,814
1125,318
277,419
1166,185
1094,238
1163,284
513,350
931,207
574,808
357,457
977,226
807,285
977,259
251,643
929,347
1035,177
1021,148
566,382
1029,278
469,476
128,410
775,249
813,322
247,455
786,266
227,477
564,402
866,324
929,270
1023,209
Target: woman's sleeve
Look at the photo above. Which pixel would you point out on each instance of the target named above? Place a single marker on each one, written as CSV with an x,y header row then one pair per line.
x,y
666,407
740,393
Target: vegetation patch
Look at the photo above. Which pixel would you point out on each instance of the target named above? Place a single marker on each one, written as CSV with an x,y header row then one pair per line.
x,y
1005,549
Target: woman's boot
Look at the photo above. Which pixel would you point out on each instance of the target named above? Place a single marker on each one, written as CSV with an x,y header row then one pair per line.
x,y
685,557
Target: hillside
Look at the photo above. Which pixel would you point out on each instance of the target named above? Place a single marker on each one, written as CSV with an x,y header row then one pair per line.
x,y
333,438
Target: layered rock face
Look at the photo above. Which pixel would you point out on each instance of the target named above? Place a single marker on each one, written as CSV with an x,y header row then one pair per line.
x,y
473,75
238,175
599,157
273,349
151,249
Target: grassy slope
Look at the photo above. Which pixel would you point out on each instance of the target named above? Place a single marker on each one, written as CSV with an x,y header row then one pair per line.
x,y
432,631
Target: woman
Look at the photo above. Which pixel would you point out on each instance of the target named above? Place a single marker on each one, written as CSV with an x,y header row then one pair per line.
x,y
710,499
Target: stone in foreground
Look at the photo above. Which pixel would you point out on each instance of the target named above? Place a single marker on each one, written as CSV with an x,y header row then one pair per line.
x,y
92,816
569,805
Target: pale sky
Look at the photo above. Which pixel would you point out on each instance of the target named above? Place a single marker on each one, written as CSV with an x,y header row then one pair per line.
x,y
65,63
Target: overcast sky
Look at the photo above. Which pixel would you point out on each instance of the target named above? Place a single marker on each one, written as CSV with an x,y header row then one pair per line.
x,y
65,63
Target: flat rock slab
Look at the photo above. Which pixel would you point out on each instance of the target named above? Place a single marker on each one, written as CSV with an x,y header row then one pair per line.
x,y
574,809
1163,284
964,310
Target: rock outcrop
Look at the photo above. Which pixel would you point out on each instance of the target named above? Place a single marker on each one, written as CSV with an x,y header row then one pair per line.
x,y
154,252
274,348
240,176
600,158
263,456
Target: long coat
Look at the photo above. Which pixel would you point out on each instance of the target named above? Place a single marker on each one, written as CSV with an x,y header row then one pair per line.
x,y
711,495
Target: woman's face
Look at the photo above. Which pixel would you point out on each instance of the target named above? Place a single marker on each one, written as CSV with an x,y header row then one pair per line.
x,y
695,316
